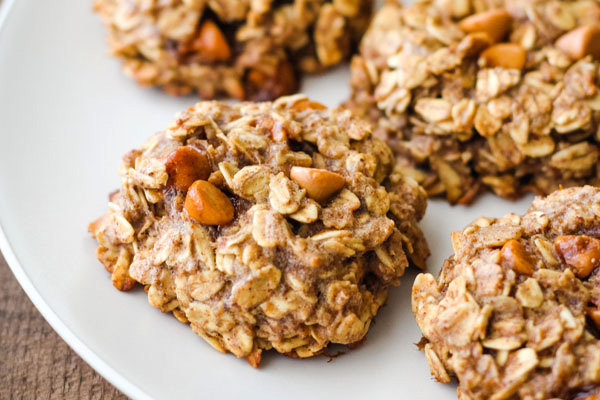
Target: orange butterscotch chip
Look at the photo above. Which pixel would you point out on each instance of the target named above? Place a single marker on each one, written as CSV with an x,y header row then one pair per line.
x,y
581,42
211,43
594,314
208,205
504,55
580,252
495,23
185,165
515,256
306,104
320,184
265,85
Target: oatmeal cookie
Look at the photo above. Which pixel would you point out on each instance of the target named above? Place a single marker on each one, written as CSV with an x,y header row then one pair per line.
x,y
515,312
244,49
471,94
264,225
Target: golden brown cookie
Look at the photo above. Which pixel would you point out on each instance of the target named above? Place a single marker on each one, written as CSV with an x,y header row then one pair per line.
x,y
264,225
235,48
515,312
470,94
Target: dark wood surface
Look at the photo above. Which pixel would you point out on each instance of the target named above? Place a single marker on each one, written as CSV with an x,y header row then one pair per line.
x,y
35,363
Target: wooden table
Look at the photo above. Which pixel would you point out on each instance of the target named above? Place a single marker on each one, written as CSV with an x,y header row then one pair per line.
x,y
35,363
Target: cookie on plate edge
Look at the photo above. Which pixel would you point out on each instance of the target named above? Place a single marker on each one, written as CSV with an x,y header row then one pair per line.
x,y
515,312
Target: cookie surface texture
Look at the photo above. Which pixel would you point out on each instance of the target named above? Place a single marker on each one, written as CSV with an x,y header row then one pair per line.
x,y
515,312
497,94
264,225
243,49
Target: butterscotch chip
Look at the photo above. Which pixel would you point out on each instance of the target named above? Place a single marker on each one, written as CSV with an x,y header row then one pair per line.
x,y
320,184
261,85
503,330
243,49
515,256
495,23
185,165
581,42
500,94
208,205
594,314
289,237
211,44
308,105
504,55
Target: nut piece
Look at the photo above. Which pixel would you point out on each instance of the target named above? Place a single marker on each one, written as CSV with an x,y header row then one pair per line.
x,y
494,22
580,252
504,55
206,204
185,165
211,43
515,256
319,183
581,42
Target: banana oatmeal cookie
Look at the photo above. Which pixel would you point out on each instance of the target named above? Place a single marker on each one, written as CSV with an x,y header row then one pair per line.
x,y
244,49
264,225
515,312
485,93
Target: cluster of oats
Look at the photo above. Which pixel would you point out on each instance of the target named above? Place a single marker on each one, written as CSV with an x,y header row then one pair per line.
x,y
515,313
304,225
485,93
245,49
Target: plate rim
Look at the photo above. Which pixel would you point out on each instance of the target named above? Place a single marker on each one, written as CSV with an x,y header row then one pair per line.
x,y
73,341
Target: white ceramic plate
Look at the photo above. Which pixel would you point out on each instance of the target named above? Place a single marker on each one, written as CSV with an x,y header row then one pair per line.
x,y
67,114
